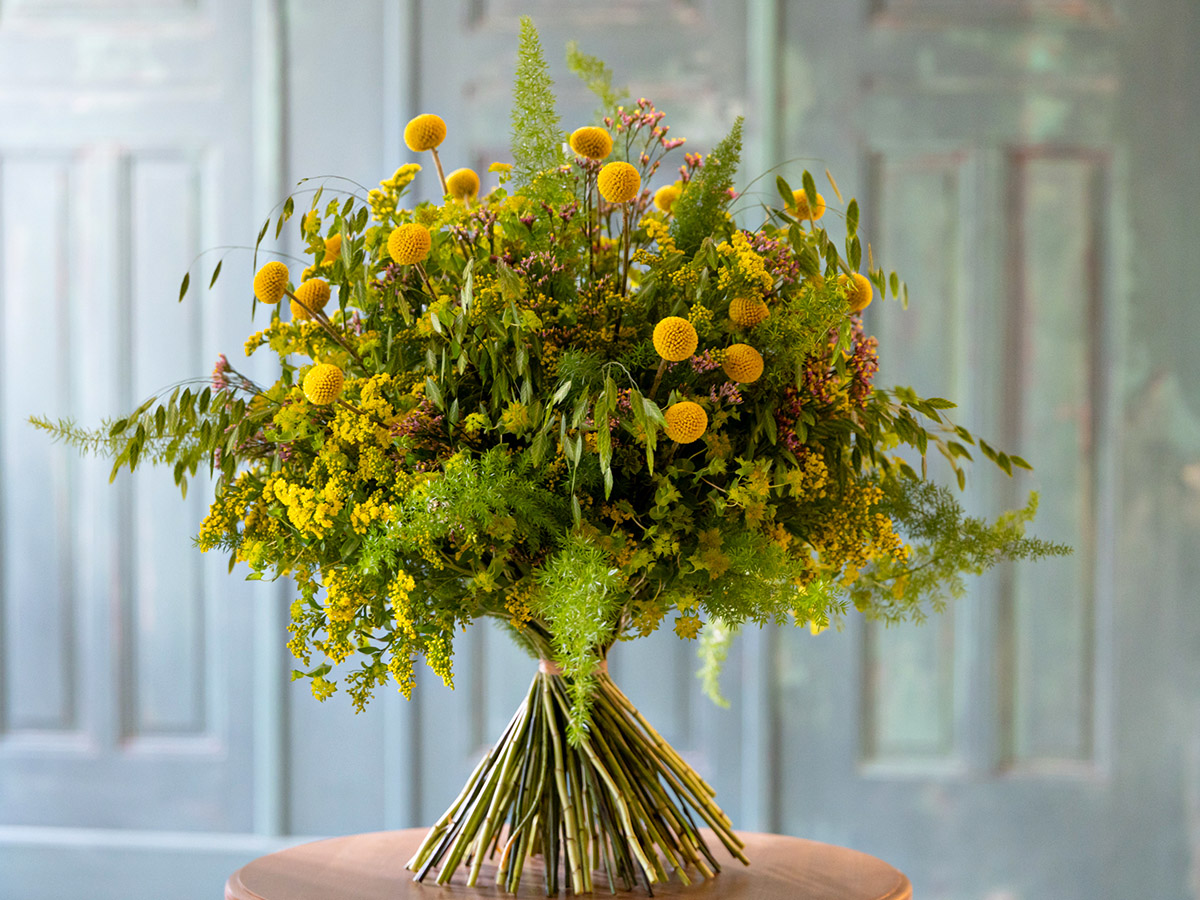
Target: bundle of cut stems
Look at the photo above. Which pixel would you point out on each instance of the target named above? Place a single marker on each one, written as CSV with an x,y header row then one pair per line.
x,y
622,805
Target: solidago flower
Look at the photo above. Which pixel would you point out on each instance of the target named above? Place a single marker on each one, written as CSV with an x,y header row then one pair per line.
x,y
312,296
675,339
425,132
665,197
859,292
686,421
619,182
743,363
462,184
748,311
270,282
409,244
805,210
591,142
323,384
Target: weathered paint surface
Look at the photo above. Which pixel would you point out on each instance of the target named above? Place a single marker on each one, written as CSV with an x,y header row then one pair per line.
x,y
1029,166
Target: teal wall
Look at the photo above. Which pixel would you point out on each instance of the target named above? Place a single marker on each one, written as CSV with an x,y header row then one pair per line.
x,y
1029,165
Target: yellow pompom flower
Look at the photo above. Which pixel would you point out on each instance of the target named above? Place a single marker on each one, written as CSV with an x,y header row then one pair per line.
x,y
323,384
686,421
859,292
425,132
675,338
270,282
313,295
591,141
805,210
665,197
462,184
409,243
743,363
333,248
619,182
748,311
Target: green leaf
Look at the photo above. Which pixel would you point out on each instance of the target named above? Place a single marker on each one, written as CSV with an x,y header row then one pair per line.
x,y
561,393
852,218
434,393
785,191
810,186
183,285
216,272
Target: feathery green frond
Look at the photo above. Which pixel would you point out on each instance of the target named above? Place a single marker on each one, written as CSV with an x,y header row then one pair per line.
x,y
598,77
537,136
700,209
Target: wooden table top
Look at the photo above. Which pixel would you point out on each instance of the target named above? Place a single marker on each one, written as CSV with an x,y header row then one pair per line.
x,y
371,867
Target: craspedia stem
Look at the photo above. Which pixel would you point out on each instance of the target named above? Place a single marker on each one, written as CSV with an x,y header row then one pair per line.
x,y
437,162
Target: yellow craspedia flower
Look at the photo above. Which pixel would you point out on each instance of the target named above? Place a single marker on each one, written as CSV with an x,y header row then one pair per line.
x,y
619,182
270,282
591,141
675,338
805,210
462,184
665,197
748,311
333,248
743,363
313,295
859,292
424,132
323,384
409,243
686,421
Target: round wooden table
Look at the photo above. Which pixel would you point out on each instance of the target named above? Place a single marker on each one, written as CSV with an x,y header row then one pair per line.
x,y
371,867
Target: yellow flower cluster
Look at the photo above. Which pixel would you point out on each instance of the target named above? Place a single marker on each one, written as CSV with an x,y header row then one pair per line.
x,y
463,184
742,265
517,603
851,533
343,594
323,384
659,232
675,339
409,244
748,311
591,142
311,511
859,292
686,421
311,297
743,363
439,655
270,282
368,512
619,182
400,590
424,132
385,199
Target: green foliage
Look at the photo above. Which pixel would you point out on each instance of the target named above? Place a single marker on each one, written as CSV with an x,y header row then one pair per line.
x,y
946,545
715,642
580,596
537,137
700,209
598,77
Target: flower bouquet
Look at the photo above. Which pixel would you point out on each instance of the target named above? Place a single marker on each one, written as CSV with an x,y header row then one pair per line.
x,y
587,409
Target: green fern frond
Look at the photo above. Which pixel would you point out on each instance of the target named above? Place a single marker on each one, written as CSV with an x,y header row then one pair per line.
x,y
537,136
700,209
